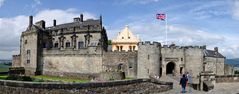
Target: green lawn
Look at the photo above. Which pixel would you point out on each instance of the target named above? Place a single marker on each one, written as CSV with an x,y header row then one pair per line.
x,y
4,68
3,77
61,79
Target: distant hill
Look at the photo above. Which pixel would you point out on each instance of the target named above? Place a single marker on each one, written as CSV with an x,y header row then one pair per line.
x,y
5,61
234,62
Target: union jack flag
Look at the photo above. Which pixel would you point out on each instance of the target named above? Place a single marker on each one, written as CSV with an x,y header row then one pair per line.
x,y
161,17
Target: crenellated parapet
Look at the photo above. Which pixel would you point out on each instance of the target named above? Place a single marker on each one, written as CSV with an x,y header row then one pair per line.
x,y
183,47
148,43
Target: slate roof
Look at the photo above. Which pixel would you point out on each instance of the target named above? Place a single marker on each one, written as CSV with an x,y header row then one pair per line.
x,y
212,53
85,23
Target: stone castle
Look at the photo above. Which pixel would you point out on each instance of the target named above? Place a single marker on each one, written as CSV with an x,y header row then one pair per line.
x,y
79,49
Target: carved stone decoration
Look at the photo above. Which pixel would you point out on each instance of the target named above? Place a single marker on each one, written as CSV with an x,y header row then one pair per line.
x,y
171,59
87,37
73,39
61,39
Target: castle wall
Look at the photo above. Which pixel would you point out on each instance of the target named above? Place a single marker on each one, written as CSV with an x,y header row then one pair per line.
x,y
228,69
216,65
194,60
85,61
174,55
148,59
121,61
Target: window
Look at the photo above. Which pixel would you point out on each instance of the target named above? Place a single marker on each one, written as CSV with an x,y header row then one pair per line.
x,y
43,45
128,37
56,45
130,48
28,56
68,44
121,48
80,44
148,57
130,65
181,59
133,48
117,47
122,37
25,42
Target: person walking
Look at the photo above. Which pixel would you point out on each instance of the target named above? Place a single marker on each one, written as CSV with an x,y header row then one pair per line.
x,y
183,83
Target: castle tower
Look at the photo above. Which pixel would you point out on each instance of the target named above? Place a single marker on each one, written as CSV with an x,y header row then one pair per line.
x,y
148,59
125,41
30,49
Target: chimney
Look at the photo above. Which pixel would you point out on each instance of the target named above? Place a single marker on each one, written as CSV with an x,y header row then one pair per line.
x,y
54,22
216,49
81,17
30,20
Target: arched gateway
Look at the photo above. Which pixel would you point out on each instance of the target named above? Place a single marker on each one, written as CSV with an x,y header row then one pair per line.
x,y
170,68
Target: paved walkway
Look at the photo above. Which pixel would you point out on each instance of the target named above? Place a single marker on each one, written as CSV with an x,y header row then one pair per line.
x,y
219,88
177,88
225,88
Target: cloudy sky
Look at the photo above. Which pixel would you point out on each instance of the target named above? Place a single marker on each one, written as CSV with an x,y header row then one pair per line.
x,y
190,22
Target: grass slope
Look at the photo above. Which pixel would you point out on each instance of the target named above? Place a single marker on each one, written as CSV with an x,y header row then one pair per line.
x,y
4,68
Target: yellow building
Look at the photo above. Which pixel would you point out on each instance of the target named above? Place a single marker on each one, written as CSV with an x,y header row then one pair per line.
x,y
125,41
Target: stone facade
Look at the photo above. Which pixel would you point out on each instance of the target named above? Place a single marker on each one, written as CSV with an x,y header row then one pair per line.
x,y
125,41
80,47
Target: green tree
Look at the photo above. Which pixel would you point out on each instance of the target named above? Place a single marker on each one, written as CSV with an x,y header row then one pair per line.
x,y
109,42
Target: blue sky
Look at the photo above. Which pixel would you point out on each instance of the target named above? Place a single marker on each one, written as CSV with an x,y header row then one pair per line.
x,y
190,22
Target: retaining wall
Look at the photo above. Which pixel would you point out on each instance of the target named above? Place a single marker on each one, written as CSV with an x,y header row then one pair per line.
x,y
116,87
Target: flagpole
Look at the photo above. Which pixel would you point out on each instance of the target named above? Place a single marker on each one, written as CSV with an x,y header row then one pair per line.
x,y
166,29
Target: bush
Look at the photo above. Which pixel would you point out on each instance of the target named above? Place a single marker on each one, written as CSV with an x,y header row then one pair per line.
x,y
19,78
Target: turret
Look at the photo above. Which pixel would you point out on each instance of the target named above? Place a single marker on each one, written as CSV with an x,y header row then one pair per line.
x,y
148,59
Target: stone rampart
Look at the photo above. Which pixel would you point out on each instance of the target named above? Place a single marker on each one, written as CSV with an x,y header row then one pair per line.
x,y
227,78
121,61
116,87
16,61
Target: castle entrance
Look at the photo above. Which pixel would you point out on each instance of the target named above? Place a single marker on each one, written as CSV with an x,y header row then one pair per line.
x,y
170,68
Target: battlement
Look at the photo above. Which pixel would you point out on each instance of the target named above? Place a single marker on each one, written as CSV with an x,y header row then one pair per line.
x,y
149,43
15,56
184,47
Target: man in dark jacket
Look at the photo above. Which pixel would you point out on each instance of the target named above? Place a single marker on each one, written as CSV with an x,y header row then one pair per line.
x,y
183,83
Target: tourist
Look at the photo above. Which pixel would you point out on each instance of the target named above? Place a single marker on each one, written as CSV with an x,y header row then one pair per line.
x,y
183,83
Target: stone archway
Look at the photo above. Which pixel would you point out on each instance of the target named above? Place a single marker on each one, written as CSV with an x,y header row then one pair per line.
x,y
170,68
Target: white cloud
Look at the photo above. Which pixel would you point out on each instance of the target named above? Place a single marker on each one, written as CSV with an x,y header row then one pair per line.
x,y
235,10
210,10
1,2
137,1
11,28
